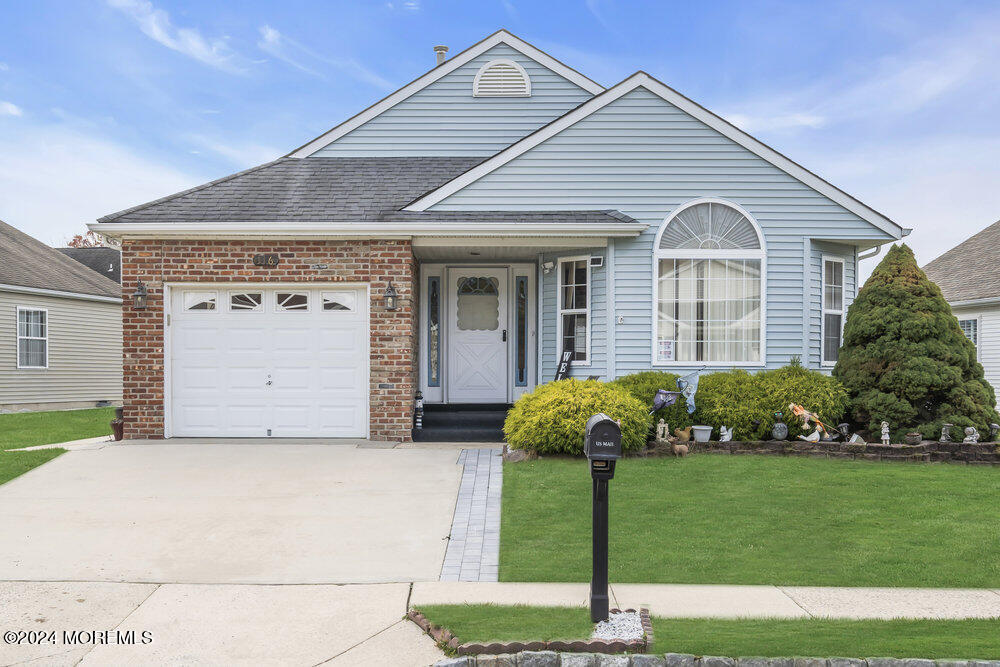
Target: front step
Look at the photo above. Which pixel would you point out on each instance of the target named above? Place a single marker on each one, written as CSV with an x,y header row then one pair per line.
x,y
463,422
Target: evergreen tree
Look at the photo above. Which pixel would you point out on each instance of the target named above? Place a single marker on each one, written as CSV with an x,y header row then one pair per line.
x,y
906,361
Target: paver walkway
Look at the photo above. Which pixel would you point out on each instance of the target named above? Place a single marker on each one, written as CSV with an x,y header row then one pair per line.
x,y
688,600
474,546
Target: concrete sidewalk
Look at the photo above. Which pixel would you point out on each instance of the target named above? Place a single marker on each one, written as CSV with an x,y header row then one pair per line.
x,y
683,600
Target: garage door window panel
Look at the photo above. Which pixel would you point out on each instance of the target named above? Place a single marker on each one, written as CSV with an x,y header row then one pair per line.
x,y
340,301
200,300
246,302
293,301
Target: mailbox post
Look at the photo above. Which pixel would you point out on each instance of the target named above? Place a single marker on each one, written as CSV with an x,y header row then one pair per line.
x,y
603,446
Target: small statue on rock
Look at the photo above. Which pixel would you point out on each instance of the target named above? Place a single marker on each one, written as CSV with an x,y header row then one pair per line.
x,y
845,431
971,435
945,433
725,434
780,429
994,429
815,436
662,431
682,434
885,433
680,450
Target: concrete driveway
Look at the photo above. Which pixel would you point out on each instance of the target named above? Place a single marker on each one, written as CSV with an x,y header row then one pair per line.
x,y
231,514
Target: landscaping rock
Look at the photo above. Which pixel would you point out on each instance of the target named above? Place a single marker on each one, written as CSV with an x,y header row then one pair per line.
x,y
953,663
679,659
612,661
913,662
846,662
717,661
643,660
538,659
461,661
884,662
764,662
809,662
501,660
578,660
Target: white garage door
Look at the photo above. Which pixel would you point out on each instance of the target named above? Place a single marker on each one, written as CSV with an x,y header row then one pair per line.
x,y
279,362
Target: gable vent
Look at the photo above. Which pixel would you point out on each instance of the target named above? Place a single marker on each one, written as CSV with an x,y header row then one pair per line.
x,y
501,78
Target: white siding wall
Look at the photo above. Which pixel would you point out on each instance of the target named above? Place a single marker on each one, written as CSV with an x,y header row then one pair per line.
x,y
989,338
85,352
644,156
444,119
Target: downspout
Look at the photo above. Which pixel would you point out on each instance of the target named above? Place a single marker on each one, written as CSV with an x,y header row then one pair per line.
x,y
874,251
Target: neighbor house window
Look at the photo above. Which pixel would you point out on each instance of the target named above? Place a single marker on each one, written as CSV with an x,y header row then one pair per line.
x,y
833,308
971,330
574,308
708,294
32,338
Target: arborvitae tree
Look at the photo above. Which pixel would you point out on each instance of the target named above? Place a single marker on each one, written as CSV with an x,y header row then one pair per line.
x,y
906,361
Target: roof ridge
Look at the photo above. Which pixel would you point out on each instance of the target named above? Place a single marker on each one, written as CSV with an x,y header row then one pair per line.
x,y
138,207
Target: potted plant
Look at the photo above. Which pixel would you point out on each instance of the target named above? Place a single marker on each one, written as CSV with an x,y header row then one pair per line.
x,y
702,433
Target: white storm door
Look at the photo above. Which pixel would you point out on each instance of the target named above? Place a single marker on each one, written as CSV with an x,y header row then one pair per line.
x,y
477,335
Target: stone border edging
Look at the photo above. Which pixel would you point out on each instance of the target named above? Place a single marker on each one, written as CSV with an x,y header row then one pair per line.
x,y
553,659
603,646
983,453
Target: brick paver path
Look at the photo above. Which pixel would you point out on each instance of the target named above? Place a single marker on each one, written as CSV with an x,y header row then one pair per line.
x,y
474,548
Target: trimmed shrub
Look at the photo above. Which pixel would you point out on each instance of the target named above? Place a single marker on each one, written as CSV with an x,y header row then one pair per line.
x,y
644,386
552,418
737,399
905,360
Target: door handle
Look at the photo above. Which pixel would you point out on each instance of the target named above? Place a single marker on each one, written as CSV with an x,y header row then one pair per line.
x,y
505,335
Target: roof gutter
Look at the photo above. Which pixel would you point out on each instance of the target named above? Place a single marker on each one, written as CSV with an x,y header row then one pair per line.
x,y
388,230
57,293
975,302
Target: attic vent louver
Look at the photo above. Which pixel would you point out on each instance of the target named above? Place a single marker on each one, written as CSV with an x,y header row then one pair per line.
x,y
501,78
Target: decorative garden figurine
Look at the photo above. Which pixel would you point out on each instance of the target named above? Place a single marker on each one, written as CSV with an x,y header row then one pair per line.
x,y
857,440
662,431
845,431
994,429
913,438
971,435
725,434
814,436
885,433
945,433
807,418
780,429
683,434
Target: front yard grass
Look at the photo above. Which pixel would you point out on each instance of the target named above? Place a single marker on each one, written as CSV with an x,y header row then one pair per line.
x,y
973,638
716,519
26,429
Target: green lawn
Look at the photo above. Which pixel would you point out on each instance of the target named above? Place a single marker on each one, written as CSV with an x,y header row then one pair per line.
x,y
743,637
26,429
758,520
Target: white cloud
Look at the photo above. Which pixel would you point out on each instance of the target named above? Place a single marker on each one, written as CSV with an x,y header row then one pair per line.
x,y
156,24
775,123
406,5
10,109
301,57
4,67
55,179
241,156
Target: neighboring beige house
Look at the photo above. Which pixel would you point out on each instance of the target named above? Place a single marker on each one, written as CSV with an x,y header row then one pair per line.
x,y
969,277
60,329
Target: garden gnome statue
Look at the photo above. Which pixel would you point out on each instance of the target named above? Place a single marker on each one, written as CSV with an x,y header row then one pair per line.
x,y
845,431
971,435
945,433
780,429
885,433
994,429
725,434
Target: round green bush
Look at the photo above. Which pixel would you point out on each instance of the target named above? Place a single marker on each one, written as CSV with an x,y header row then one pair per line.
x,y
737,399
644,386
552,418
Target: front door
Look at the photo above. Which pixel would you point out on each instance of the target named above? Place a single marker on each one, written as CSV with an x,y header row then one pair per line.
x,y
477,340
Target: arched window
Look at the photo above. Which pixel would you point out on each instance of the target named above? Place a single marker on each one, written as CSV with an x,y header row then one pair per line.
x,y
501,78
708,293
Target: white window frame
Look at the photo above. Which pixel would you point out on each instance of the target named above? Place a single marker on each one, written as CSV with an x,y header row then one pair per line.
x,y
824,311
673,253
18,337
501,61
560,311
976,319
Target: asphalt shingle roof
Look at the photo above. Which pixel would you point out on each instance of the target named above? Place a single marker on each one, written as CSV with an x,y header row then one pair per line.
x,y
333,190
106,261
27,262
970,270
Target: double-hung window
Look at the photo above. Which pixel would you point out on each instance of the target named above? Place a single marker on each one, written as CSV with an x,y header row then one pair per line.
x,y
709,289
970,328
833,308
32,338
574,308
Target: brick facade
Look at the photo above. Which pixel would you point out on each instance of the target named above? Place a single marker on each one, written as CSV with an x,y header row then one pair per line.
x,y
393,334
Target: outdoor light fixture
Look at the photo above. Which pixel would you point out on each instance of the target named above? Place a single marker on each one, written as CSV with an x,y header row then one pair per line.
x,y
548,266
390,297
139,296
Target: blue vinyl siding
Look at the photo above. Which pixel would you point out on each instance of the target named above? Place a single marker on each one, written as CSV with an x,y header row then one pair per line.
x,y
444,119
598,317
644,156
814,296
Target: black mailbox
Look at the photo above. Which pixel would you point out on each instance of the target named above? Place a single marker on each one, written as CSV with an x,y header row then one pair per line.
x,y
602,445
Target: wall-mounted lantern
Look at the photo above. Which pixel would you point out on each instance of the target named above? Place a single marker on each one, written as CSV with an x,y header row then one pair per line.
x,y
140,296
391,297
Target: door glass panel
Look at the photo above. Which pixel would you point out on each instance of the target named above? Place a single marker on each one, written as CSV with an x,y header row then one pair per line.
x,y
478,304
199,300
339,300
521,349
293,301
245,301
433,331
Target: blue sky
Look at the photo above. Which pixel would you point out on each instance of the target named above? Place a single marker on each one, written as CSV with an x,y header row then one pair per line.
x,y
109,103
